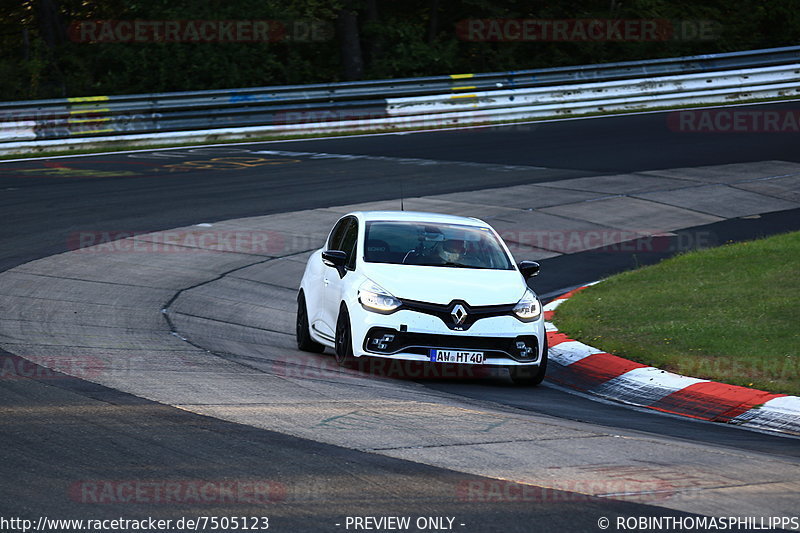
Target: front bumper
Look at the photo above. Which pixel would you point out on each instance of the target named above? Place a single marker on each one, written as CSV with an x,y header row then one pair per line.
x,y
389,342
410,336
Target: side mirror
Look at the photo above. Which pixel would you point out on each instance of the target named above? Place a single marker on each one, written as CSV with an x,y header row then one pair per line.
x,y
336,259
528,268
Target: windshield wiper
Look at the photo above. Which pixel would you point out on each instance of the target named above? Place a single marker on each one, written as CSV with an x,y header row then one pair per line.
x,y
460,265
450,264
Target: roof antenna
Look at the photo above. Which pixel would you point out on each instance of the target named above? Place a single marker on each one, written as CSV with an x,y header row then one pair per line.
x,y
402,208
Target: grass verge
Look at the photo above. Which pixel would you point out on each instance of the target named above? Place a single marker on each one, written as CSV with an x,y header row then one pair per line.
x,y
729,314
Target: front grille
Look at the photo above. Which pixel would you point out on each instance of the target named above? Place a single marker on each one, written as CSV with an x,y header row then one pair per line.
x,y
445,312
388,341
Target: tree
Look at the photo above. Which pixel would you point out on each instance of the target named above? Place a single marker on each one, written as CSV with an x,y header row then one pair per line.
x,y
349,42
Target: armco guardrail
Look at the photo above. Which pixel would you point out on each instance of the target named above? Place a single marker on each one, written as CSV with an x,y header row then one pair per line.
x,y
392,104
614,95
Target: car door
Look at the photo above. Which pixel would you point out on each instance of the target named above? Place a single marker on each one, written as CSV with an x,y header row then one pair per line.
x,y
333,283
315,292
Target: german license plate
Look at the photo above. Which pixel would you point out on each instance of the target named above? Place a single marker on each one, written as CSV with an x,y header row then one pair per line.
x,y
456,356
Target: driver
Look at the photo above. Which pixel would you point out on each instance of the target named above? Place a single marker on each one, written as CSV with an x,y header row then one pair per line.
x,y
453,250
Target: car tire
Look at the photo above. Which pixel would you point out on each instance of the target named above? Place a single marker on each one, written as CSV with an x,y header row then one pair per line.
x,y
344,338
304,340
527,376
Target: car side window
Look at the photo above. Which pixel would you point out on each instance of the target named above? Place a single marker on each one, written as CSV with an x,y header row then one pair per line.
x,y
349,241
335,240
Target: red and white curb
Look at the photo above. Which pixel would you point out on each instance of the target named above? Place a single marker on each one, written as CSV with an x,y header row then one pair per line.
x,y
584,368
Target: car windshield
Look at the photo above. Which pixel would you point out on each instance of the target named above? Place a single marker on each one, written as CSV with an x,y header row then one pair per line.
x,y
444,245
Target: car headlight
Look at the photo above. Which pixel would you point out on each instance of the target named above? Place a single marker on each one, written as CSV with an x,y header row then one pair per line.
x,y
375,298
528,308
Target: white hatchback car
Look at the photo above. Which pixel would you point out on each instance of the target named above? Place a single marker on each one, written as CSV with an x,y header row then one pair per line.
x,y
422,287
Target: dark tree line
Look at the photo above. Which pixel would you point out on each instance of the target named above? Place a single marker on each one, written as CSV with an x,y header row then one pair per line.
x,y
348,40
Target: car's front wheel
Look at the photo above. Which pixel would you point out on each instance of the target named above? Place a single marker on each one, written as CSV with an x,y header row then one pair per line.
x,y
304,340
344,338
528,376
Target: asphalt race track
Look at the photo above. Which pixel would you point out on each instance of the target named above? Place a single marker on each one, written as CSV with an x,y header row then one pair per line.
x,y
60,431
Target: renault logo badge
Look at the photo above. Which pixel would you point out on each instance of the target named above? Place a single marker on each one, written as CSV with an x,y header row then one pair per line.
x,y
459,314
